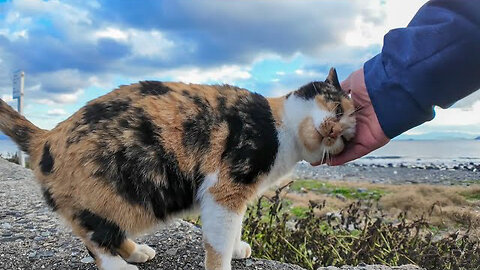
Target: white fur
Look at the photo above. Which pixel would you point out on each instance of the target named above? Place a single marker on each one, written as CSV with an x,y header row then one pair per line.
x,y
219,225
287,156
242,250
295,111
141,253
110,262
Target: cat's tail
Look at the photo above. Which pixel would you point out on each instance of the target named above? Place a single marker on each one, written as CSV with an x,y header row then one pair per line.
x,y
18,127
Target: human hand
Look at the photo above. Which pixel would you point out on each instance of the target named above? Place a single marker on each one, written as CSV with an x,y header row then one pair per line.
x,y
369,134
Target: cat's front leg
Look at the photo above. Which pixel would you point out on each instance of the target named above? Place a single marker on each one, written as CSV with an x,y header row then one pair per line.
x,y
221,224
241,249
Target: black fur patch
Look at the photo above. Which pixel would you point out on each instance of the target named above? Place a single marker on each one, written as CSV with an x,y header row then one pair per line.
x,y
153,88
198,128
97,112
93,116
104,232
47,195
252,142
22,136
310,90
143,172
47,161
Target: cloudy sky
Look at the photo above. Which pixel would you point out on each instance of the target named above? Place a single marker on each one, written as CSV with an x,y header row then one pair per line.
x,y
74,51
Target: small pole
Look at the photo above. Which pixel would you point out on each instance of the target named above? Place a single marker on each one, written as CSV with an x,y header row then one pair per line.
x,y
18,85
21,157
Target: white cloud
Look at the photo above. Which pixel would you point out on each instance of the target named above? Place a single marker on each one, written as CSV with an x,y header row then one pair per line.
x,y
457,116
56,112
151,43
112,33
378,18
452,120
55,99
56,9
223,74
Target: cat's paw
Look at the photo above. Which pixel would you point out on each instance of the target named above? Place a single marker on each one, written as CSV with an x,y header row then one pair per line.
x,y
142,253
108,262
242,250
129,267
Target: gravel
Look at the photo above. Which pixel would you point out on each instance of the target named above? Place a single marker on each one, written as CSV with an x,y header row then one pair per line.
x,y
32,237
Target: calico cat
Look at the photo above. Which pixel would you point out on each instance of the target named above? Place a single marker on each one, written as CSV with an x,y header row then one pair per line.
x,y
147,152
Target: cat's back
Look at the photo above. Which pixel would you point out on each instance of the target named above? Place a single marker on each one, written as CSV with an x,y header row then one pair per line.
x,y
136,106
138,123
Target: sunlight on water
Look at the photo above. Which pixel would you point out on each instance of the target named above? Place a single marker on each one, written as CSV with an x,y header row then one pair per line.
x,y
448,152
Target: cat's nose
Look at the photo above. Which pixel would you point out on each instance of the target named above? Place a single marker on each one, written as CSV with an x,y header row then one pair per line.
x,y
331,129
335,131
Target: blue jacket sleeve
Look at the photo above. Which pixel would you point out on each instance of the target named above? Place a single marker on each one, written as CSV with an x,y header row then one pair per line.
x,y
434,61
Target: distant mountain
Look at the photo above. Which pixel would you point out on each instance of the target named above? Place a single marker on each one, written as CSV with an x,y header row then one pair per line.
x,y
439,136
477,138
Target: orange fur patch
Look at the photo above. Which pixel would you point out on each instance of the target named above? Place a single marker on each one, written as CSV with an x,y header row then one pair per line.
x,y
231,195
276,105
348,106
309,135
126,248
213,259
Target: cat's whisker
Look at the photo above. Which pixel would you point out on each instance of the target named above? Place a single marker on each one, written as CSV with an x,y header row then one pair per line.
x,y
314,87
357,109
323,156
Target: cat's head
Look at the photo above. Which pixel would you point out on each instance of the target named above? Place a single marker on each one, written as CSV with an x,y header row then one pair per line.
x,y
323,117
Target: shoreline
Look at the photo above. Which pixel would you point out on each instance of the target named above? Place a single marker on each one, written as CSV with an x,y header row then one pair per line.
x,y
464,174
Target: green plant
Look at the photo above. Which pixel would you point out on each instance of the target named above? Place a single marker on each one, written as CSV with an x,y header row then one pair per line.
x,y
357,234
327,188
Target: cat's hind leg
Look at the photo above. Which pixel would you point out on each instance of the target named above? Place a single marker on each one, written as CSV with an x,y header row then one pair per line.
x,y
104,258
135,253
103,240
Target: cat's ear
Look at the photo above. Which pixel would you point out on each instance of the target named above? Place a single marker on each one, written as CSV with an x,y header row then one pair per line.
x,y
333,78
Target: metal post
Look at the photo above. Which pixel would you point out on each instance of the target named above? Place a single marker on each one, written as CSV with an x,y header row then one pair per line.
x,y
21,157
18,85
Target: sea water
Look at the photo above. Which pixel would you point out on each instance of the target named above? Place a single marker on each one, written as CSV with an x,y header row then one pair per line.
x,y
448,152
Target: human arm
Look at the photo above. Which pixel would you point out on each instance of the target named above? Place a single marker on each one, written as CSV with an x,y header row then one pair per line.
x,y
435,60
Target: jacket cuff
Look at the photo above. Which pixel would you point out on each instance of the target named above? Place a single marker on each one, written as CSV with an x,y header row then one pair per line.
x,y
396,109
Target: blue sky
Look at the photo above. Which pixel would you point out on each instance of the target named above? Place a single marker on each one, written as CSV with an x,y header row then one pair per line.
x,y
74,51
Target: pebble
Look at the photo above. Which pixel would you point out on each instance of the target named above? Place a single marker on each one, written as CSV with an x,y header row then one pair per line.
x,y
172,251
87,259
6,226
